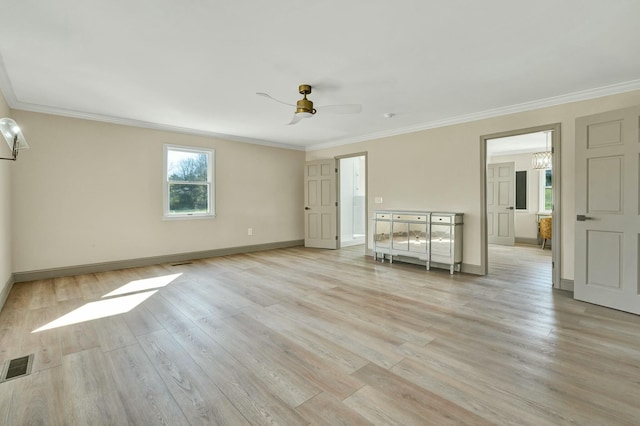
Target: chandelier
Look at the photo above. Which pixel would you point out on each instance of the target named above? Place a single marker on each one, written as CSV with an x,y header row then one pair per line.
x,y
542,160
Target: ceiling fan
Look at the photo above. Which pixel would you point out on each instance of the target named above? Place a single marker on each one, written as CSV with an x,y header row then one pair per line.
x,y
305,109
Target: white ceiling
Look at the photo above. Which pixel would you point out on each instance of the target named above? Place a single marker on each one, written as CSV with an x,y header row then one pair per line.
x,y
196,65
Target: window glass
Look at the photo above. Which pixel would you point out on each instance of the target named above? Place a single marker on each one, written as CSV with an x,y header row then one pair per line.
x,y
547,195
188,182
521,190
187,166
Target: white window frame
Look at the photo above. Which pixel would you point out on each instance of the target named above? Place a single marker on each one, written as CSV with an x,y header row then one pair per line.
x,y
542,187
167,215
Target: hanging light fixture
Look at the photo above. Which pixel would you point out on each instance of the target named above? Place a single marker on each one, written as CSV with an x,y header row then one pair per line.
x,y
542,160
14,137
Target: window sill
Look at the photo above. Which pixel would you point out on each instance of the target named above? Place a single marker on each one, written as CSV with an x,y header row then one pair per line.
x,y
189,217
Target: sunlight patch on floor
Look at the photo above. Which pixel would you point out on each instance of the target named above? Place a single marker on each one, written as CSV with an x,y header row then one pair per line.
x,y
99,309
120,301
142,285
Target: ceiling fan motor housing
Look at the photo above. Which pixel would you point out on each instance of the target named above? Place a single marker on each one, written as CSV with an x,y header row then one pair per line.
x,y
305,105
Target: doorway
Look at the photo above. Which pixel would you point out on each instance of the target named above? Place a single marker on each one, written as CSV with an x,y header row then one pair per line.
x,y
352,195
534,196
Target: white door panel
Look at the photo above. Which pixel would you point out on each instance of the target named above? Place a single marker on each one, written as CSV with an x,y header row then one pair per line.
x,y
501,203
320,211
607,228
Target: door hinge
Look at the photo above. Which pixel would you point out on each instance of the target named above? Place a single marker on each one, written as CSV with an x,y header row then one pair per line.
x,y
336,170
336,238
336,204
553,265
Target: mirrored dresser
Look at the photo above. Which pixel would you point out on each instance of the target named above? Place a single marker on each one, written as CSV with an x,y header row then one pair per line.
x,y
432,237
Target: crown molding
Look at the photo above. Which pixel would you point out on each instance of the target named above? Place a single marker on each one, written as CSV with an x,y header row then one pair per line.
x,y
146,124
7,91
5,85
584,95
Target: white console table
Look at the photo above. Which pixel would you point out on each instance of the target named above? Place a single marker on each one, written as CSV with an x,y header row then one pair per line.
x,y
432,237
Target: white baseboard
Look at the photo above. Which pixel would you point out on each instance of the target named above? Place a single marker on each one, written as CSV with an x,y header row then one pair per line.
x,y
5,291
566,285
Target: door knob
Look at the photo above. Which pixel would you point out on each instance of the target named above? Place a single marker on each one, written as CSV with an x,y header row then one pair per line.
x,y
307,208
509,208
582,218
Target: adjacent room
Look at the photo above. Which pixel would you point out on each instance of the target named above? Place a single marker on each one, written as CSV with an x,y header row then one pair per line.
x,y
520,200
342,213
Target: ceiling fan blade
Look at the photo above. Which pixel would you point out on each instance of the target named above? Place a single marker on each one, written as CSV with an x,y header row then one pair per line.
x,y
341,109
296,118
266,95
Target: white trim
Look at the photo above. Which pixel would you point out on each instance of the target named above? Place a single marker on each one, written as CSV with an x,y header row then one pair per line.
x,y
612,89
4,293
5,85
566,285
599,92
211,181
138,123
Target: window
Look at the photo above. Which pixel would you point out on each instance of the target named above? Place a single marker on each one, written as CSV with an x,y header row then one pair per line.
x,y
521,190
546,190
188,182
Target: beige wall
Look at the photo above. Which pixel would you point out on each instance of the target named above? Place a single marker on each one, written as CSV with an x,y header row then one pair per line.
x,y
5,209
89,192
439,169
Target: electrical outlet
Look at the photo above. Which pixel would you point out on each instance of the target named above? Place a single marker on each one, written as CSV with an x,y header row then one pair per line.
x,y
378,200
249,231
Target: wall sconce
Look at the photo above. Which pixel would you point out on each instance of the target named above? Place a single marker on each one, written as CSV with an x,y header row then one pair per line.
x,y
14,137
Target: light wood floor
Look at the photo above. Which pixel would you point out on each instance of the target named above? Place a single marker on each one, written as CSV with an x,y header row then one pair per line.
x,y
302,336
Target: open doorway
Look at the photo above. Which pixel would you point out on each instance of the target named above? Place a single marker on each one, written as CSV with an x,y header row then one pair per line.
x,y
352,193
521,198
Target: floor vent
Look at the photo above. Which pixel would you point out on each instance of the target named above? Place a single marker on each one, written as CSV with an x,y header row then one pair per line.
x,y
17,367
183,263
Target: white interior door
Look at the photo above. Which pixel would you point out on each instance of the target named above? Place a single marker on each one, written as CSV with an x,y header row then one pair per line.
x,y
501,203
607,226
320,208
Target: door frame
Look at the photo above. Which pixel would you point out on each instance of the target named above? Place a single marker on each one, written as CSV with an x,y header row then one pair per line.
x,y
556,226
366,197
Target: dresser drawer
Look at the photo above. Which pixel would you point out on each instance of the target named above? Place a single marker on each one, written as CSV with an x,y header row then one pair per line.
x,y
410,217
441,219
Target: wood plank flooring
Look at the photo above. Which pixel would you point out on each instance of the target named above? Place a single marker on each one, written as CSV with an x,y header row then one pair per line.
x,y
300,336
